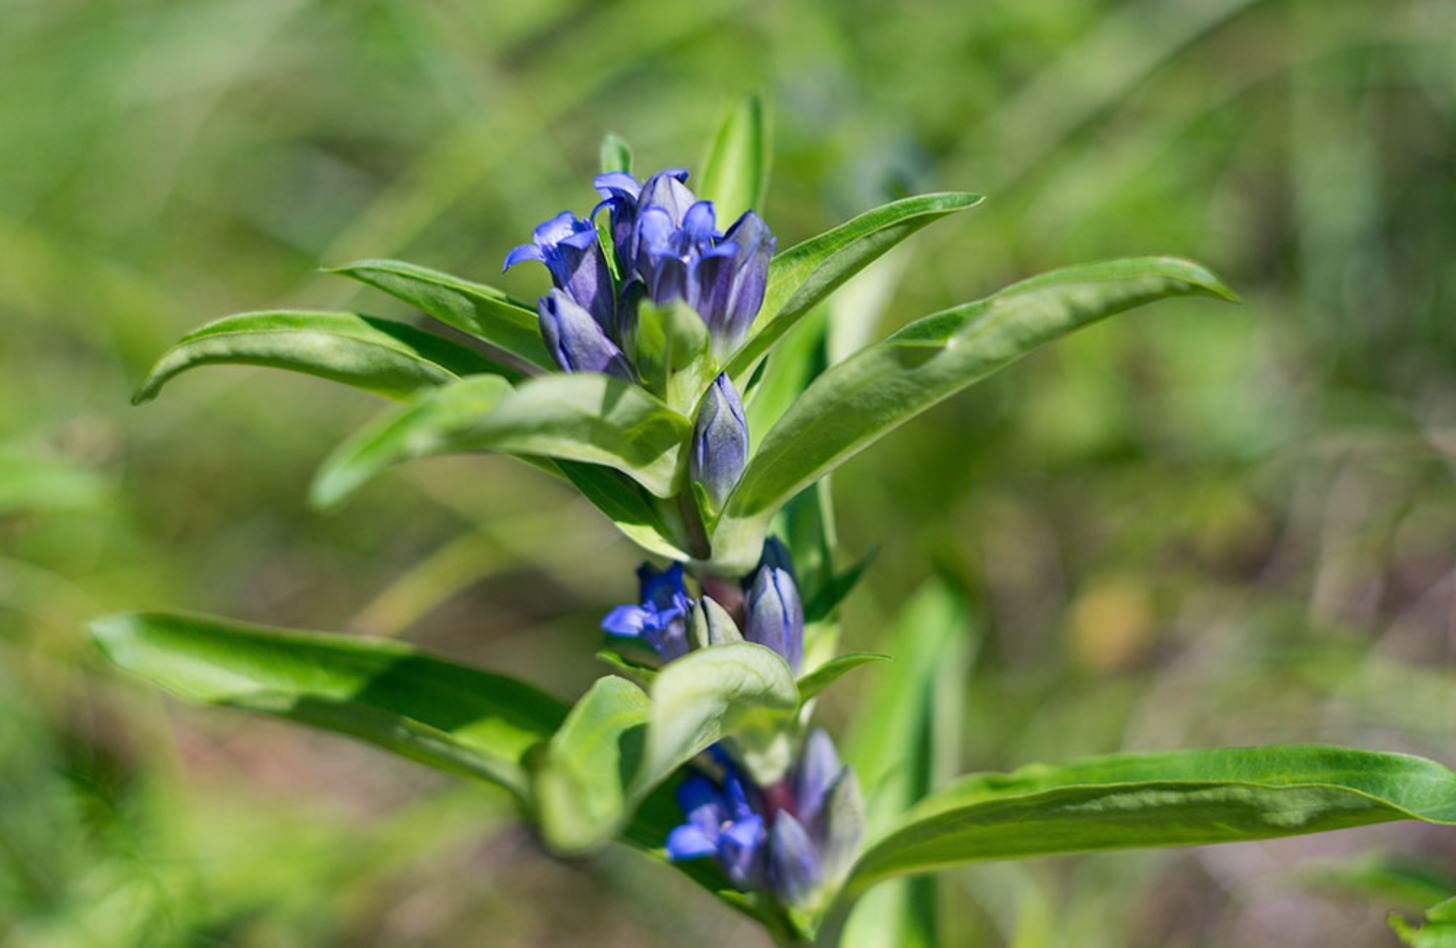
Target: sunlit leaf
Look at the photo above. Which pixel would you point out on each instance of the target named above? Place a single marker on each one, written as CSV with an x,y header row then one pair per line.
x,y
445,715
579,416
482,311
1438,931
800,277
388,358
1178,798
859,400
834,669
620,745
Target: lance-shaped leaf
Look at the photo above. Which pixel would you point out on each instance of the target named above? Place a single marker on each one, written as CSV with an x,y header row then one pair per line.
x,y
448,716
1180,798
800,277
381,356
618,745
482,311
834,669
581,416
1439,930
628,506
859,400
735,169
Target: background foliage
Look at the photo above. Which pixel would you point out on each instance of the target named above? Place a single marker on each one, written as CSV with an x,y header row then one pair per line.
x,y
1191,526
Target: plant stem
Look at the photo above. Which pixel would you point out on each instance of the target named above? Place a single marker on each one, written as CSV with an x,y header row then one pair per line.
x,y
693,524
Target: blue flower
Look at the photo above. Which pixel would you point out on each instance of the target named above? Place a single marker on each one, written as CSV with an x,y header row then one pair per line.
x,y
792,839
569,248
661,620
720,441
670,242
575,340
722,824
668,248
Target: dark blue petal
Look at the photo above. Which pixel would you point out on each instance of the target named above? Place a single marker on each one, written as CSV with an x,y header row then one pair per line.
x,y
625,620
699,224
776,615
617,184
690,842
795,868
576,341
568,246
697,791
666,190
776,556
661,588
741,852
720,441
755,247
522,253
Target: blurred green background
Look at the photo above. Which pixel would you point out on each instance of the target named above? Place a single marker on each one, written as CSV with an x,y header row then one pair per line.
x,y
1193,525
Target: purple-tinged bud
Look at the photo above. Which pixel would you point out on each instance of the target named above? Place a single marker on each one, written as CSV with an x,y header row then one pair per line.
x,y
720,441
776,615
569,248
776,555
732,286
575,340
795,868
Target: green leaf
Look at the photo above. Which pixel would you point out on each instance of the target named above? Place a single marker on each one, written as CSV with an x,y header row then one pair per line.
x,y
581,416
388,358
735,169
448,716
582,785
474,308
1180,798
672,354
802,276
832,670
619,745
634,670
627,505
857,401
1439,931
616,154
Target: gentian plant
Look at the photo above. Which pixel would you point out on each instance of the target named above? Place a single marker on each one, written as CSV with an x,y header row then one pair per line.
x,y
659,376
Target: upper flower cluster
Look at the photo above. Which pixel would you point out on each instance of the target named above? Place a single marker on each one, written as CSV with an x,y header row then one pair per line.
x,y
667,248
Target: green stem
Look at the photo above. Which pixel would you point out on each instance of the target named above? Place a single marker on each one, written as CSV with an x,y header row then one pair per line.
x,y
693,524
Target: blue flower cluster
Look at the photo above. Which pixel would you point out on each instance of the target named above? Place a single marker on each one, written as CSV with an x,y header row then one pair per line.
x,y
668,248
788,839
770,612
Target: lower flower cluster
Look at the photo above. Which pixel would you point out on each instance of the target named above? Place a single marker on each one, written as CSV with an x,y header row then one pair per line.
x,y
795,837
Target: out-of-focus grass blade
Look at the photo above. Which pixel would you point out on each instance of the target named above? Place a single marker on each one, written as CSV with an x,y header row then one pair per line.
x,y
735,168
